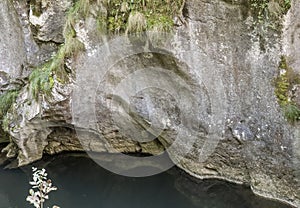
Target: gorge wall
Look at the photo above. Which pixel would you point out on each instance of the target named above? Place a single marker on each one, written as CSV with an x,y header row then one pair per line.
x,y
208,92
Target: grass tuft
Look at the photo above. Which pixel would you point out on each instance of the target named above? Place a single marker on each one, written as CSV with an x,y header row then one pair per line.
x,y
129,15
136,23
292,112
41,80
6,101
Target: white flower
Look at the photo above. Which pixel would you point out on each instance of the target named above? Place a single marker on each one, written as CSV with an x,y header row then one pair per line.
x,y
34,198
41,187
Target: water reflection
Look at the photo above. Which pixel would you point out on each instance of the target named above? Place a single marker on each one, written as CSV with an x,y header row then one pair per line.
x,y
82,183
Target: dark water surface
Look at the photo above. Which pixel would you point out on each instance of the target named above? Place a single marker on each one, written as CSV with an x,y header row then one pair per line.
x,y
83,184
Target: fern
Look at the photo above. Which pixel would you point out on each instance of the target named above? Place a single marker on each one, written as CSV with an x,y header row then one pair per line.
x,y
41,80
6,101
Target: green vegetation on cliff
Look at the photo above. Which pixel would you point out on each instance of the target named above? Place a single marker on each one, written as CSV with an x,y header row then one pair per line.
x,y
123,16
41,80
133,16
268,13
6,101
284,83
265,8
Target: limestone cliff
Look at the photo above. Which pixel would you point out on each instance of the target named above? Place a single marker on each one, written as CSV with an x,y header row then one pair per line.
x,y
204,89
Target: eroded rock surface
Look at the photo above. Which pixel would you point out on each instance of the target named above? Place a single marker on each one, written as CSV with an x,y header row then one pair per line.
x,y
206,92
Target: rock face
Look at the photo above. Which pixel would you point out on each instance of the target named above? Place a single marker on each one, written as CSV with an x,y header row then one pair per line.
x,y
204,94
291,36
13,53
291,44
